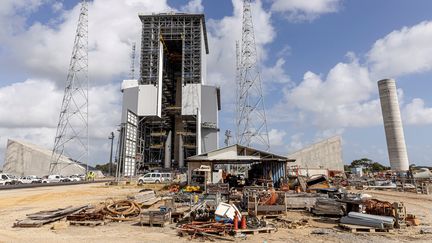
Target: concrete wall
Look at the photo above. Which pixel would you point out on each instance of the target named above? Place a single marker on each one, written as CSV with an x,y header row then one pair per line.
x,y
27,159
326,154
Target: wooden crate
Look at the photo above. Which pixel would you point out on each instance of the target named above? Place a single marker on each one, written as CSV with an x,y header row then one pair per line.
x,y
254,206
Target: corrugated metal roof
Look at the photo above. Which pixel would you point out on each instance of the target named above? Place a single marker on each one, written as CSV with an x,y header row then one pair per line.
x,y
238,152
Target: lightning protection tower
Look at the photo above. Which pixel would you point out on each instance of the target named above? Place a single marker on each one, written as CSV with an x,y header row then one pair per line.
x,y
251,124
132,57
71,139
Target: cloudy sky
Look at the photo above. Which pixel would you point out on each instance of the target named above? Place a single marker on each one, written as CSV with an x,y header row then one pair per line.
x,y
320,61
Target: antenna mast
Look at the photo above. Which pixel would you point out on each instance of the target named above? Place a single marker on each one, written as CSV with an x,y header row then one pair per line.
x,y
72,139
251,123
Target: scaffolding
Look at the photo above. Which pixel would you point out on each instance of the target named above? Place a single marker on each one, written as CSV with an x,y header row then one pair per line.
x,y
187,28
181,37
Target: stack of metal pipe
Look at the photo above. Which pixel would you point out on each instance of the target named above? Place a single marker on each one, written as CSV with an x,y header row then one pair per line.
x,y
375,221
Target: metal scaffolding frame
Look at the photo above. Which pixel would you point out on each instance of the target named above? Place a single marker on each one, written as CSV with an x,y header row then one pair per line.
x,y
177,33
185,27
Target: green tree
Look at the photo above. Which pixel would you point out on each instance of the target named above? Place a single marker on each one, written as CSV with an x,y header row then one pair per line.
x,y
364,162
368,165
377,167
105,168
347,168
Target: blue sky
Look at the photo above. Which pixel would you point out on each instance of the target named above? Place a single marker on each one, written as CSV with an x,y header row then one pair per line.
x,y
320,62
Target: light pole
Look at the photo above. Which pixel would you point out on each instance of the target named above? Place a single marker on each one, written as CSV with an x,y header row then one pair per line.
x,y
111,137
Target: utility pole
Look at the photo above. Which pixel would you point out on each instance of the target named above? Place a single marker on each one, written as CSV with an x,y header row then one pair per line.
x,y
72,140
251,123
111,137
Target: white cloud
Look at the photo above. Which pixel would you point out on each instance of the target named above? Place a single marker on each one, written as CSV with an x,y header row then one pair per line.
x,y
10,21
113,26
30,104
42,52
403,51
285,51
193,6
224,33
327,133
415,113
57,6
276,137
347,95
104,110
29,111
305,10
296,143
276,74
342,99
345,83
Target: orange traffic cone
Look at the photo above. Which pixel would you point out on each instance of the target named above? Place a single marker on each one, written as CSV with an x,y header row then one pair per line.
x,y
235,221
243,222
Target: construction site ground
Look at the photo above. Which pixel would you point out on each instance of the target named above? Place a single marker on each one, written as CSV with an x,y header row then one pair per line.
x,y
15,204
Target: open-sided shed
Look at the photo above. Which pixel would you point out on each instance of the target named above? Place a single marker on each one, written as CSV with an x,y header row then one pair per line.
x,y
273,167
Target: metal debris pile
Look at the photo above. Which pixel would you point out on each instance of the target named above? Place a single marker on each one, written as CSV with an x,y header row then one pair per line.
x,y
212,230
121,210
222,212
374,221
329,206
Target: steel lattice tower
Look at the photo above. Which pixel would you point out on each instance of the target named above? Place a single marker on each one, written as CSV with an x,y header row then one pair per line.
x,y
251,124
132,57
71,138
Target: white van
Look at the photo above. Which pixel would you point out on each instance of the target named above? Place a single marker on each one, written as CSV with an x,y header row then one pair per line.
x,y
52,179
6,179
155,177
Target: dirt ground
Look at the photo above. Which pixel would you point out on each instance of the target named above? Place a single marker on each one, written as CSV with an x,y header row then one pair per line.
x,y
15,204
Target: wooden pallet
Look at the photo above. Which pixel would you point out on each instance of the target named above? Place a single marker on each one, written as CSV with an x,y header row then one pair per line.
x,y
88,223
363,229
256,231
44,217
